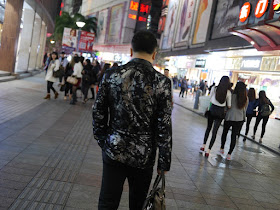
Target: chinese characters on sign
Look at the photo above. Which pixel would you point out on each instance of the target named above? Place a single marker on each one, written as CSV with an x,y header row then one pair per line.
x,y
276,6
261,8
245,12
86,41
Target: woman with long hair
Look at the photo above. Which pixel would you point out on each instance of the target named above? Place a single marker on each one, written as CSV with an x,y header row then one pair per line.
x,y
77,72
53,66
87,79
250,113
68,72
265,108
220,99
235,116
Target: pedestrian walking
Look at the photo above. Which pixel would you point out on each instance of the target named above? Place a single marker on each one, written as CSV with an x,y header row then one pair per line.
x,y
77,72
220,99
68,73
53,66
250,112
183,87
235,117
96,70
137,100
63,63
265,108
87,79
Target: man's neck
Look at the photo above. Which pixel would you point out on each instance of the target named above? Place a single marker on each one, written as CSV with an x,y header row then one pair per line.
x,y
144,57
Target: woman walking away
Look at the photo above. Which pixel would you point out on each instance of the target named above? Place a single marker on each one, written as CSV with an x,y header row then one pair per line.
x,y
96,70
183,87
235,116
68,72
250,113
265,108
78,68
220,98
53,66
86,79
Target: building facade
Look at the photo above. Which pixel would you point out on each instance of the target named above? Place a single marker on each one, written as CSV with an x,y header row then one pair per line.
x,y
24,29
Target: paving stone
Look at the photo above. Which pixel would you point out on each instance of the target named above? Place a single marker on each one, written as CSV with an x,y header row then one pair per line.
x,y
5,202
227,204
189,198
9,193
89,179
12,184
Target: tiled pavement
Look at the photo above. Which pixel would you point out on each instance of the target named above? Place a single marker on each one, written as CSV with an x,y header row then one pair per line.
x,y
271,138
49,160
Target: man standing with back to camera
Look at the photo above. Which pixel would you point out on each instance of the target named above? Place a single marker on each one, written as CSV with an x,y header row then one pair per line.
x,y
137,100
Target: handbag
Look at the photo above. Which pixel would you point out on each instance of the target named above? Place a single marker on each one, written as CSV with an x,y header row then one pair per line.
x,y
207,112
156,198
59,73
72,80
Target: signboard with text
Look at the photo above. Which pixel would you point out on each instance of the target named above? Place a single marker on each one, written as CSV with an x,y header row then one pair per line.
x,y
251,63
69,39
86,41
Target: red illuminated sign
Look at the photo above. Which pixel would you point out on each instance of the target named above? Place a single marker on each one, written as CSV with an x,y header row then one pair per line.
x,y
134,5
261,8
62,5
245,12
142,19
131,16
144,8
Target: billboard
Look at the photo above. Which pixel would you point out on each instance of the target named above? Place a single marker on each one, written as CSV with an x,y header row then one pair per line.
x,y
184,24
86,41
116,24
202,21
168,33
102,26
70,37
226,17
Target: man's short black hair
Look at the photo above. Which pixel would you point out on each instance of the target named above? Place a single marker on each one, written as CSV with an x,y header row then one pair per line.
x,y
166,69
62,52
144,41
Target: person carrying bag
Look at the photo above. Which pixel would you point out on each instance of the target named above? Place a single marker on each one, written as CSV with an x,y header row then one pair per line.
x,y
156,198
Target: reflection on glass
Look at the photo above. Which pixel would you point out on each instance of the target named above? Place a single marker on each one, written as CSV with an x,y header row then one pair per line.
x,y
2,15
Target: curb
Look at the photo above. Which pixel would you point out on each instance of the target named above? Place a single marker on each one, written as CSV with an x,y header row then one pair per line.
x,y
250,139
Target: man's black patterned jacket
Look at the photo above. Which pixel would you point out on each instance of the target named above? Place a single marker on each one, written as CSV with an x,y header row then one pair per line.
x,y
132,115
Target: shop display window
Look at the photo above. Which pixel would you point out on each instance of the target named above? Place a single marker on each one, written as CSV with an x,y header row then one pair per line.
x,y
2,15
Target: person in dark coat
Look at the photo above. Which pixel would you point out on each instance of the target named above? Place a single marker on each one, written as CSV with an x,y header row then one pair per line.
x,y
87,79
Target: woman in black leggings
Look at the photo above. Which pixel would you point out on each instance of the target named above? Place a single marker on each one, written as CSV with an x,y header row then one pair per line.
x,y
53,66
250,113
265,108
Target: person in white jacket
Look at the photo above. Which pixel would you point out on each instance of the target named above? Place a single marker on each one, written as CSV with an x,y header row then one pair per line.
x,y
53,66
78,68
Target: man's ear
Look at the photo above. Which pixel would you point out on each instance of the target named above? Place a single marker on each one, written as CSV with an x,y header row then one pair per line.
x,y
154,55
131,52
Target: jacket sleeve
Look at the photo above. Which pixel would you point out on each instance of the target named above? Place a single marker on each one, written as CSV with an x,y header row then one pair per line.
x,y
164,125
271,105
100,114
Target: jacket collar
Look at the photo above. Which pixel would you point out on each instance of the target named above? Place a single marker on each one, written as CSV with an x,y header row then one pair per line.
x,y
142,61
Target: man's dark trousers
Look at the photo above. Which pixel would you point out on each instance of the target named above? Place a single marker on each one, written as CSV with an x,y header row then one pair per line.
x,y
114,175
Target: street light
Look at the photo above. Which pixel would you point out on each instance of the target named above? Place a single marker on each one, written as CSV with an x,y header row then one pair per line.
x,y
80,24
52,41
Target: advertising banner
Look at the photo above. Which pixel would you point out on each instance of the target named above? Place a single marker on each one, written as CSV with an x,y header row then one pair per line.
x,y
202,21
251,63
116,23
227,16
86,41
168,34
102,26
70,37
184,24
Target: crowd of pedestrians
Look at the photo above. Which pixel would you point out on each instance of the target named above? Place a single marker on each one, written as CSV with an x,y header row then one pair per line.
x,y
234,106
78,74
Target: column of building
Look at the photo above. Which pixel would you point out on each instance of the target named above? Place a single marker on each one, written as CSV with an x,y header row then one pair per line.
x,y
40,56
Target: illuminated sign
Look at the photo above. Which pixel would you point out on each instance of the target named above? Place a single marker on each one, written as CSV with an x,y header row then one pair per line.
x,y
132,16
142,19
134,5
245,12
251,63
276,6
200,63
261,8
144,8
